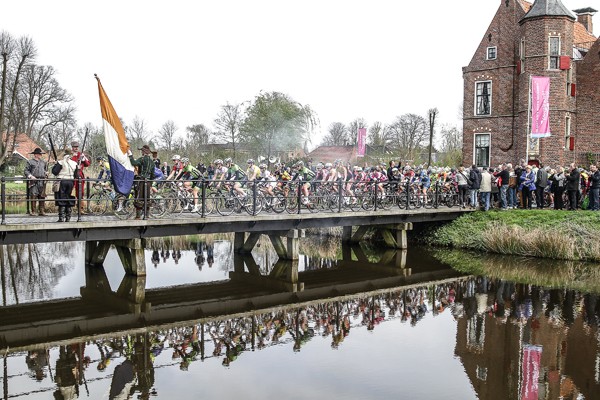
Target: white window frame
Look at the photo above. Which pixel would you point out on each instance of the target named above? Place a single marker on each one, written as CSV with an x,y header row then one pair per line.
x,y
487,53
567,132
489,135
490,96
522,55
554,56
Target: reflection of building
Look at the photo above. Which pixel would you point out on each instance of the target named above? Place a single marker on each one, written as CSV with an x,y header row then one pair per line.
x,y
502,358
523,40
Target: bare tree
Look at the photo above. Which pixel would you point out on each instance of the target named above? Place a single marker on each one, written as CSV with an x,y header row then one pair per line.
x,y
138,132
409,133
451,145
20,53
228,123
41,98
353,128
337,135
166,134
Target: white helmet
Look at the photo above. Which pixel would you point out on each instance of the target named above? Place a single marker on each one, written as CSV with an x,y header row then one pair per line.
x,y
176,157
185,160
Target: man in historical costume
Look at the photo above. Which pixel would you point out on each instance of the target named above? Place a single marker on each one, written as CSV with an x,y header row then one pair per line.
x,y
143,185
64,170
36,173
82,161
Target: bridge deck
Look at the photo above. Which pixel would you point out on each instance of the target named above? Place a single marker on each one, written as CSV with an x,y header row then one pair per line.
x,y
22,229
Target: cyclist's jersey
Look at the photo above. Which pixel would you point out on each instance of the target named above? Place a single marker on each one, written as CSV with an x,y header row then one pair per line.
x,y
268,176
253,169
235,173
282,175
177,167
104,171
306,174
189,172
376,175
220,173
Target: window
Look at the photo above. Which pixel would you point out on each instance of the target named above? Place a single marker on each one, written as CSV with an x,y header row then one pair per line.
x,y
522,56
482,150
568,133
554,52
569,81
483,98
491,53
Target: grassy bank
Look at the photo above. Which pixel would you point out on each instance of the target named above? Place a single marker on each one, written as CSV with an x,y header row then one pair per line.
x,y
546,233
575,275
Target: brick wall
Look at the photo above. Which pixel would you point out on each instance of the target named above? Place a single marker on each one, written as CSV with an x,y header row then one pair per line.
x,y
508,123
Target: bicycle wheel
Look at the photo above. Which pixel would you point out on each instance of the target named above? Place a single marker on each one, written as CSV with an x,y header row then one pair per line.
x,y
122,206
252,207
428,200
402,204
278,203
209,204
225,204
158,205
98,203
291,202
386,202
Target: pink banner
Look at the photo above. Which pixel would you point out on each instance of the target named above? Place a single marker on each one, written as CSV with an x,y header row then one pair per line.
x,y
540,106
530,372
362,141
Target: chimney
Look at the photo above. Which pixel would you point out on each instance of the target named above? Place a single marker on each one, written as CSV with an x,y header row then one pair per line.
x,y
584,16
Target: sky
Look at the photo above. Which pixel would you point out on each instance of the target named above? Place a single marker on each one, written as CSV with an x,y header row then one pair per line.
x,y
182,60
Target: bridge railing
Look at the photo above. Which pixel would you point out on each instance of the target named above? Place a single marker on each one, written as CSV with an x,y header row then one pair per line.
x,y
23,198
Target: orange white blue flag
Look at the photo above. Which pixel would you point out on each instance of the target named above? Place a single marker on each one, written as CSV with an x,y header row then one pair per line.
x,y
116,145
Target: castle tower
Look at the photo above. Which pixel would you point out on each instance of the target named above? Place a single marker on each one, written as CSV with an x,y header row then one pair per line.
x,y
545,49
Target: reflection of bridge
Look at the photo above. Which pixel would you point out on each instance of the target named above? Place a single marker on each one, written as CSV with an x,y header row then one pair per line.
x,y
101,310
41,229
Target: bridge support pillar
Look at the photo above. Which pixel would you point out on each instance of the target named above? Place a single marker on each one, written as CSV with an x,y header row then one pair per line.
x,y
356,237
131,253
286,250
395,235
283,277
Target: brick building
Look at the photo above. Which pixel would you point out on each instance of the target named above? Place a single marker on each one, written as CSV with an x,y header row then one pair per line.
x,y
523,40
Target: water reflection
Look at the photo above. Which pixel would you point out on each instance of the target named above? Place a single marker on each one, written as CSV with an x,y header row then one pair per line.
x,y
514,341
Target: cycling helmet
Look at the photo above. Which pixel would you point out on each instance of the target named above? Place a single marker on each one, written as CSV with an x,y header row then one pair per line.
x,y
99,158
262,166
250,161
227,160
394,169
328,165
218,161
185,160
319,166
300,164
176,157
359,169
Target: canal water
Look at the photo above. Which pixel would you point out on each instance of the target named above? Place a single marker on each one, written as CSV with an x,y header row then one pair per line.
x,y
501,328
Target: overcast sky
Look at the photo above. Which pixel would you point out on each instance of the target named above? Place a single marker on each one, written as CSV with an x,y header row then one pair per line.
x,y
181,60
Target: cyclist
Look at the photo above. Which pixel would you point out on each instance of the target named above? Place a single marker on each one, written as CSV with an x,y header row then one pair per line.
x,y
268,178
192,180
379,178
220,173
253,172
306,175
235,175
282,177
424,183
176,168
104,168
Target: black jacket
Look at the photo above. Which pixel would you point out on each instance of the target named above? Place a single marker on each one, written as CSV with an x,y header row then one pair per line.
x,y
595,180
573,180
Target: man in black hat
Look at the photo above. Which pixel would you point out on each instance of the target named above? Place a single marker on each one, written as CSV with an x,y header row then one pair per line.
x,y
36,174
142,187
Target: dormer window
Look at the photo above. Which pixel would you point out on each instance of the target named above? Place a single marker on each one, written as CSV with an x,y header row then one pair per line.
x,y
491,53
554,52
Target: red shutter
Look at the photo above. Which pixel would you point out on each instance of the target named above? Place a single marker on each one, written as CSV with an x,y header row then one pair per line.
x,y
565,62
519,67
573,89
572,143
